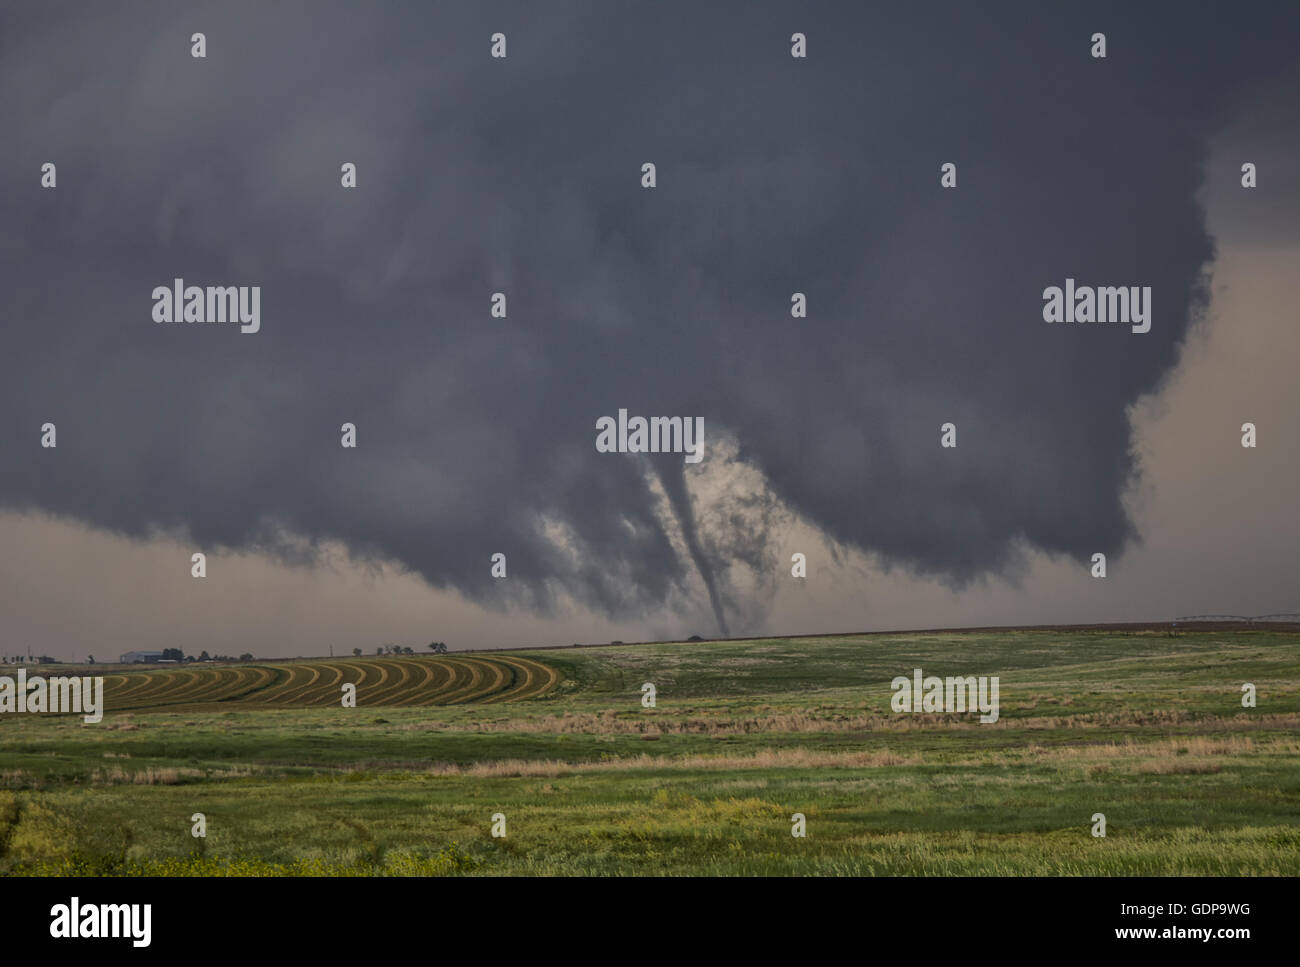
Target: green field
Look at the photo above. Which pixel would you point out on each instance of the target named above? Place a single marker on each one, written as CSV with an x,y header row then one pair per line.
x,y
1145,728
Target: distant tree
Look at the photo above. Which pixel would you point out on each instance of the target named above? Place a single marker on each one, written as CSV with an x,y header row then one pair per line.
x,y
203,656
408,650
438,647
172,654
189,657
379,650
246,656
357,652
694,638
90,660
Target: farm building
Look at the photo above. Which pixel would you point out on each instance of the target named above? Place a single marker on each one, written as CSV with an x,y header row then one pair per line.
x,y
131,657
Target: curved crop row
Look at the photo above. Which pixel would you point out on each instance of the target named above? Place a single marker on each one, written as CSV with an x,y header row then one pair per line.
x,y
379,681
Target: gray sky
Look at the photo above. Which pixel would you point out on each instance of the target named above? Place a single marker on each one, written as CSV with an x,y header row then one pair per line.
x,y
476,435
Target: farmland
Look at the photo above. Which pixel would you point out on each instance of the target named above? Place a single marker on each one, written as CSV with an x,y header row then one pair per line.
x,y
382,681
1147,729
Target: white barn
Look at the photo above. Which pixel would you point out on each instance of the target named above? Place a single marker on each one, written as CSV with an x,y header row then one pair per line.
x,y
132,657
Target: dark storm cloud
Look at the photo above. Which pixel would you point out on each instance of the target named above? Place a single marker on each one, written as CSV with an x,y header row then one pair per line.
x,y
476,435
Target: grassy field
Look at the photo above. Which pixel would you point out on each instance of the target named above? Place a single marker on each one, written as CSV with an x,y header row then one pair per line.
x,y
1144,728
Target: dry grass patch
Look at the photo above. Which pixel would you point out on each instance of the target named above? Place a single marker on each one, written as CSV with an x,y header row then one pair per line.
x,y
168,776
1185,755
838,719
763,759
